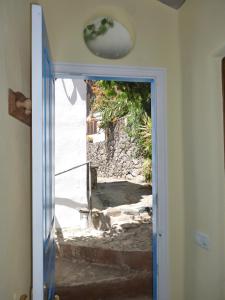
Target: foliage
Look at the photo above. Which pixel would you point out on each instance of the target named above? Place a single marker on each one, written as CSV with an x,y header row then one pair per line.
x,y
92,31
145,135
147,169
145,142
90,139
115,99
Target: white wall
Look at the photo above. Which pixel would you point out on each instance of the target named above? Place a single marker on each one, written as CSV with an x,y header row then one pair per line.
x,y
70,151
15,171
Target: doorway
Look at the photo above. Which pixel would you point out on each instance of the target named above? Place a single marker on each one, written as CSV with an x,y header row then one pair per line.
x,y
104,229
155,77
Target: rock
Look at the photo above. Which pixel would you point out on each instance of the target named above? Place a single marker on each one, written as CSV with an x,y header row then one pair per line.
x,y
145,209
134,173
135,161
113,211
100,220
130,212
117,228
129,177
140,179
145,217
127,226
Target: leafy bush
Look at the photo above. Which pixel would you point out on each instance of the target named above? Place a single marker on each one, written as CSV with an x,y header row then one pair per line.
x,y
147,169
90,139
115,99
145,136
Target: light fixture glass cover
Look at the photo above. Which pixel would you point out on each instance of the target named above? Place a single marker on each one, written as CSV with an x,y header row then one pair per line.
x,y
107,38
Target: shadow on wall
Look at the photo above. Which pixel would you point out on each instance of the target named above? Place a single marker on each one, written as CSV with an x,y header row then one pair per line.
x,y
72,88
69,203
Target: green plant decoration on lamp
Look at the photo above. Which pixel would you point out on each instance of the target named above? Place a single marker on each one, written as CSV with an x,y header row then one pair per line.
x,y
92,31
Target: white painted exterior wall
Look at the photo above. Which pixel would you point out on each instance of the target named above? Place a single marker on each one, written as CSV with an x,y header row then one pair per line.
x,y
70,151
100,135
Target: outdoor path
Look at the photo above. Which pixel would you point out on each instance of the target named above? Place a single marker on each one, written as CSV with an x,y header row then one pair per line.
x,y
111,192
134,239
112,264
80,280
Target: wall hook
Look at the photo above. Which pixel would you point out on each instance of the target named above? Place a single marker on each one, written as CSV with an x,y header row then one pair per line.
x,y
20,107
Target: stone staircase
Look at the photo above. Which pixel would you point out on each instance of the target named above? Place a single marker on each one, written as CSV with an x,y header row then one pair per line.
x,y
102,273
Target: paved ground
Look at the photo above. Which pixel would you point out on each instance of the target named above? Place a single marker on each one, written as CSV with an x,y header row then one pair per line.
x,y
134,239
112,192
121,202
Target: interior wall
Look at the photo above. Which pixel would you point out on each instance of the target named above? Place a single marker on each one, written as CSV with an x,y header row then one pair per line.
x,y
15,210
202,41
155,28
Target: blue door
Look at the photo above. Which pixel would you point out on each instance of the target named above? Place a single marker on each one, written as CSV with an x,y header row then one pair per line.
x,y
42,161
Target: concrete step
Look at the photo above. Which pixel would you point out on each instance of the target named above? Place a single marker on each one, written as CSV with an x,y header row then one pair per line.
x,y
80,280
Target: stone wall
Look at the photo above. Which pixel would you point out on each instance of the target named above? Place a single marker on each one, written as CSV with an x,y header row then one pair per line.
x,y
117,156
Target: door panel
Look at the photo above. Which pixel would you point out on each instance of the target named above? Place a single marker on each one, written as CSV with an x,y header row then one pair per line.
x,y
42,160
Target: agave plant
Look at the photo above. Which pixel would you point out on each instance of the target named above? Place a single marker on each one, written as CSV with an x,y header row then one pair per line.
x,y
145,144
145,134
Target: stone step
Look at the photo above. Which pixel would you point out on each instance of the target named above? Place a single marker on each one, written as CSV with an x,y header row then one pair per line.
x,y
80,280
137,260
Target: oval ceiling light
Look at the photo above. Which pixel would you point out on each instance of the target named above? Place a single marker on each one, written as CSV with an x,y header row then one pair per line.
x,y
107,38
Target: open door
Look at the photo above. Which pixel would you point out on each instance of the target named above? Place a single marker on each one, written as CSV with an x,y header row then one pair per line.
x,y
42,161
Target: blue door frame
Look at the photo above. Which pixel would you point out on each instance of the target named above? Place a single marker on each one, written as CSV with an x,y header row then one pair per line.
x,y
42,161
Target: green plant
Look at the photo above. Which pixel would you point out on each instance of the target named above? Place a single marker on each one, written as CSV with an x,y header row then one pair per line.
x,y
118,99
90,139
147,169
115,100
145,136
92,31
